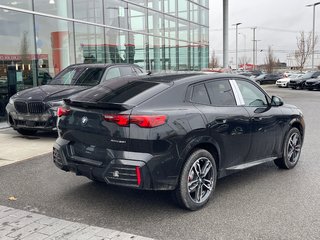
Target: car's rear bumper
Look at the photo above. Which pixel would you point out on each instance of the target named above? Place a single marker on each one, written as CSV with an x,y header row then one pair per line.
x,y
128,169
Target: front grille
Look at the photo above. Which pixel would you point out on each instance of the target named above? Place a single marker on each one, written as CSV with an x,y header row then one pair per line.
x,y
122,175
31,107
21,107
36,107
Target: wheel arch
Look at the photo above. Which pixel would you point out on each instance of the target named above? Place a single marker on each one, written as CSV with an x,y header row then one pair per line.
x,y
207,143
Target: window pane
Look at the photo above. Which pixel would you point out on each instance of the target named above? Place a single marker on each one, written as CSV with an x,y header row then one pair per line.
x,y
199,95
26,4
252,96
54,7
90,11
220,93
113,73
89,44
54,44
116,13
17,57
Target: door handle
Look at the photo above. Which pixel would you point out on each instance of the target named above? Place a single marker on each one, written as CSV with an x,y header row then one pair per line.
x,y
257,119
221,120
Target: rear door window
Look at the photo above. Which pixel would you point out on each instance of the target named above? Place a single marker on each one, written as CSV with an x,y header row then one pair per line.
x,y
220,93
126,71
200,95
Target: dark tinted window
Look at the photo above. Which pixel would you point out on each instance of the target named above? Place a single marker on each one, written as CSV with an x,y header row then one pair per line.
x,y
200,95
90,77
220,93
122,91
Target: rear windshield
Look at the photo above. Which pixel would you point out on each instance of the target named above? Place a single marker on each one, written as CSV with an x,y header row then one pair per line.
x,y
80,76
121,91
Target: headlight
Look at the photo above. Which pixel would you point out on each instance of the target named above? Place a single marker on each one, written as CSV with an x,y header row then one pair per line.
x,y
56,103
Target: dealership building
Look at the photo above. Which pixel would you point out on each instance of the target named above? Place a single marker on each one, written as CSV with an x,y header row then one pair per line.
x,y
41,37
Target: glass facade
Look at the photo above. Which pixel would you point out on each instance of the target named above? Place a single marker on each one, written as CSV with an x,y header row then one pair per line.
x,y
41,37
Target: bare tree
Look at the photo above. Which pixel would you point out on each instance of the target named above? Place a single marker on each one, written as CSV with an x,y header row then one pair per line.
x,y
270,60
244,60
305,47
214,63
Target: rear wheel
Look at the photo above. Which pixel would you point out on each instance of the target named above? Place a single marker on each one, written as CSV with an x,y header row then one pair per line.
x,y
291,150
26,132
197,180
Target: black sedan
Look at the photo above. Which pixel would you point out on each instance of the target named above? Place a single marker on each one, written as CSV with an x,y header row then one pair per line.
x,y
313,83
299,83
35,109
267,78
175,132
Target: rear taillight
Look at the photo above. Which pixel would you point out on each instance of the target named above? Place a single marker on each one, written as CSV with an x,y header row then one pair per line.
x,y
62,111
120,119
144,121
138,175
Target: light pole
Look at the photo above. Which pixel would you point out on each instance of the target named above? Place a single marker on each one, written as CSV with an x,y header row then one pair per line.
x,y
313,28
236,24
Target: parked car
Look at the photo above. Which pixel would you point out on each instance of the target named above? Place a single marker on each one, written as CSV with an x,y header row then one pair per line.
x,y
267,78
299,82
175,132
35,108
313,83
283,82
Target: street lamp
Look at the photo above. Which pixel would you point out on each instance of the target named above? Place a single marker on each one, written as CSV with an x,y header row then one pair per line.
x,y
236,24
313,28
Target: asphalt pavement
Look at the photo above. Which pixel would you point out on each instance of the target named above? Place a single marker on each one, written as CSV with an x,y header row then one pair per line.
x,y
258,203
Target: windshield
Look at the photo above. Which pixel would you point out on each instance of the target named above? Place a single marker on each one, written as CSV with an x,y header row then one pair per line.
x,y
80,76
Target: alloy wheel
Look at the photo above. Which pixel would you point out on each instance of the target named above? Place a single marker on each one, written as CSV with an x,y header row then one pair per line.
x,y
294,148
200,180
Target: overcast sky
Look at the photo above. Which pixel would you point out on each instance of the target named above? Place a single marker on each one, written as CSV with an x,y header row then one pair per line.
x,y
278,24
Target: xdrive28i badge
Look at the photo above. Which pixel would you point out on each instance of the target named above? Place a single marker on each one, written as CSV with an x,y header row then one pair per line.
x,y
84,121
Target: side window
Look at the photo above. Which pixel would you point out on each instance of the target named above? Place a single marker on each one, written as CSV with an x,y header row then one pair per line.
x,y
126,71
200,95
113,73
252,96
220,93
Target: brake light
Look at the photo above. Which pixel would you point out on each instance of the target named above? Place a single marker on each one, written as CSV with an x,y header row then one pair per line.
x,y
62,111
143,121
148,121
120,119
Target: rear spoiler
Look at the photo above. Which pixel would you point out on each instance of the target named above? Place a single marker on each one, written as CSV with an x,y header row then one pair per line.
x,y
100,105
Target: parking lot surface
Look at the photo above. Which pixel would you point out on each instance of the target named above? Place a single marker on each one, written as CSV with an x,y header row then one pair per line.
x,y
258,203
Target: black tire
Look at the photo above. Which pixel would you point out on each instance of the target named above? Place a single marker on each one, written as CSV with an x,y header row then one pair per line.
x,y
195,189
294,87
26,132
291,150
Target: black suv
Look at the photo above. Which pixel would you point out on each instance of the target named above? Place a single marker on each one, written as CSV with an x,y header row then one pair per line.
x,y
267,78
175,132
35,108
299,83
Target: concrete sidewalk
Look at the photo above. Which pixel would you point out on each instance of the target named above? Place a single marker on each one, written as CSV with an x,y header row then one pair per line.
x,y
15,147
22,225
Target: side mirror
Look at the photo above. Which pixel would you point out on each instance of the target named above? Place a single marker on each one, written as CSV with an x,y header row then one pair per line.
x,y
276,101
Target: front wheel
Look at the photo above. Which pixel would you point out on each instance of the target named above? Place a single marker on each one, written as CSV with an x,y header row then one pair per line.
x,y
197,180
291,150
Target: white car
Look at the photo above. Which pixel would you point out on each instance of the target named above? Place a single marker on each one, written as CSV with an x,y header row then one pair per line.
x,y
283,82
